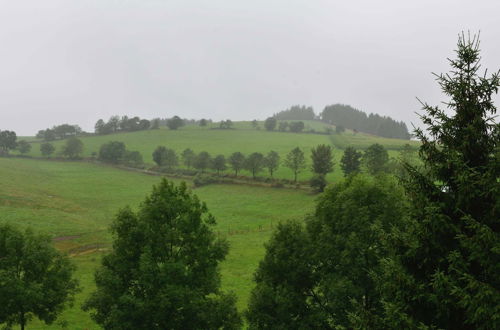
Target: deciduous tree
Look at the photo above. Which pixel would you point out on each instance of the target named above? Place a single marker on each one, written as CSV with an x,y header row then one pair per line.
x,y
351,161
35,279
237,162
272,162
254,163
295,161
163,270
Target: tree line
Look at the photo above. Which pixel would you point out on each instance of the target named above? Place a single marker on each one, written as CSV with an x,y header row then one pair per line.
x,y
349,117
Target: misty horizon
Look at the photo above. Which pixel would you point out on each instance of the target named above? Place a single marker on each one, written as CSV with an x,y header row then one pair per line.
x,y
76,62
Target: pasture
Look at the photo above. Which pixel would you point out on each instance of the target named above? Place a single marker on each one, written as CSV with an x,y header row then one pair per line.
x,y
243,138
74,203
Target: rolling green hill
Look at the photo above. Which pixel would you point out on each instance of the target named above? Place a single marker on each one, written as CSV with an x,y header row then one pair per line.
x,y
243,137
75,202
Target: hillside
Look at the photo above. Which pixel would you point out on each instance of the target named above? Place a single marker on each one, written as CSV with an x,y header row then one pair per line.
x,y
242,137
74,202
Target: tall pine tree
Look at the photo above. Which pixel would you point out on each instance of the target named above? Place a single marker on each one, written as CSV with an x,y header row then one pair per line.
x,y
446,273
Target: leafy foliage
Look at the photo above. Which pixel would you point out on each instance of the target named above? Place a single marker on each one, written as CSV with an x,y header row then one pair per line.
x,y
375,158
175,122
324,277
351,161
270,123
47,149
7,141
255,163
219,163
295,161
73,148
237,161
272,162
23,146
163,270
35,279
322,159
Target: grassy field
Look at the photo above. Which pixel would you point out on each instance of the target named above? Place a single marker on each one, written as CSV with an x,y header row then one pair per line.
x,y
243,138
75,202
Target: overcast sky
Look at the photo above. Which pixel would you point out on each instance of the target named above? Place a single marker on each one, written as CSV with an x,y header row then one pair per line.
x,y
75,61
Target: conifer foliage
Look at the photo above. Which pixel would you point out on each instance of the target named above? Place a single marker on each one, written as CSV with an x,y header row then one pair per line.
x,y
449,255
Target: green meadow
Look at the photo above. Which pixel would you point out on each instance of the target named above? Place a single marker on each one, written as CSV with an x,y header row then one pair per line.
x,y
243,138
74,203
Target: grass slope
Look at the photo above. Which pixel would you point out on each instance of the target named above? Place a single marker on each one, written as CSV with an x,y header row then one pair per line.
x,y
242,138
74,202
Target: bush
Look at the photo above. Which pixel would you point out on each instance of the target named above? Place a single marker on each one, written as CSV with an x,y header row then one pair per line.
x,y
318,182
202,179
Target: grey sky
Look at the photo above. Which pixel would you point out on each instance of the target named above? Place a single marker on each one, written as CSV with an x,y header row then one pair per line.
x,y
75,61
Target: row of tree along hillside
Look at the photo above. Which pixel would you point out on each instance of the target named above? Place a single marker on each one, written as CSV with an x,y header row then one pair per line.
x,y
347,116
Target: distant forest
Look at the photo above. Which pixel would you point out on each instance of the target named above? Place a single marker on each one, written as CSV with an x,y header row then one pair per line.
x,y
347,116
296,112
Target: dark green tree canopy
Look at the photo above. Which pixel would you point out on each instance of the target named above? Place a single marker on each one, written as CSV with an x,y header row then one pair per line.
x,y
23,146
448,258
324,277
188,157
47,149
202,161
73,148
35,279
296,126
351,161
272,162
322,159
375,158
219,163
237,161
270,123
255,163
163,270
7,141
296,112
175,122
112,152
342,115
295,161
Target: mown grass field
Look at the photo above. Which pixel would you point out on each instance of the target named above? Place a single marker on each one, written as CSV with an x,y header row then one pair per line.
x,y
74,202
243,138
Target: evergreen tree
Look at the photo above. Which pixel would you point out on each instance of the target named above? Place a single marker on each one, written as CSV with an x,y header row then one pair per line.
x,y
447,260
163,271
